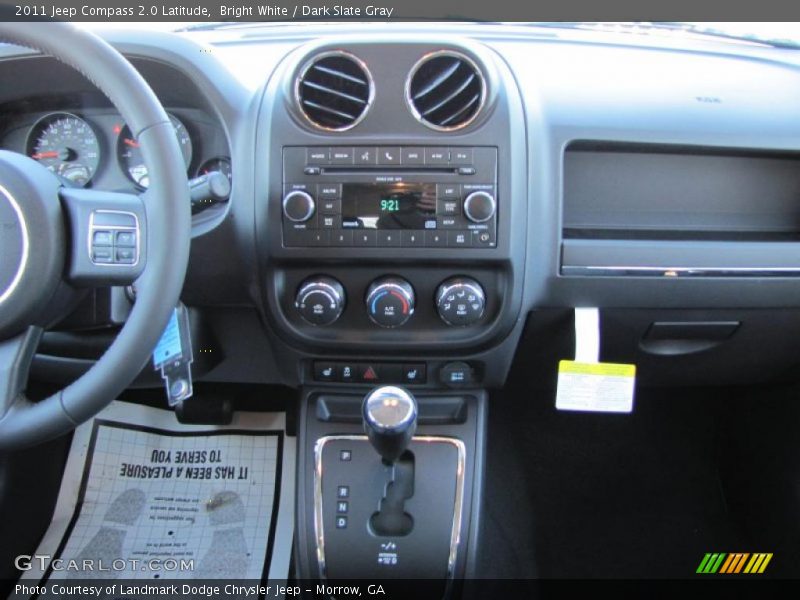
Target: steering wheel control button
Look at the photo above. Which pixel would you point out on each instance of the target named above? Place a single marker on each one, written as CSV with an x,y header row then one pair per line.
x,y
390,301
103,238
124,238
460,301
102,254
320,300
479,206
298,206
113,238
456,374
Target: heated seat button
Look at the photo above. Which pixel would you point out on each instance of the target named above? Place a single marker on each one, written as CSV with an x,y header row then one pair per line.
x,y
413,373
324,371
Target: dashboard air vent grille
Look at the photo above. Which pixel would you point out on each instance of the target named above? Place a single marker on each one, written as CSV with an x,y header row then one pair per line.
x,y
445,90
334,91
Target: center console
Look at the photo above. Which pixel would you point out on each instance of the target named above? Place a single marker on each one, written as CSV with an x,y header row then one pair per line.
x,y
391,235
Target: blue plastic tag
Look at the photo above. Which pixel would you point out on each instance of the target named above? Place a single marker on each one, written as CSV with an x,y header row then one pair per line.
x,y
169,346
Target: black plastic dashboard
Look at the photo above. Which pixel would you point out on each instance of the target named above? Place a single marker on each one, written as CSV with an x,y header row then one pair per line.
x,y
556,107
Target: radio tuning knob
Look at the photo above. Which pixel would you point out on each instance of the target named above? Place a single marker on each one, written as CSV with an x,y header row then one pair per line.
x,y
460,301
479,206
298,206
320,300
390,301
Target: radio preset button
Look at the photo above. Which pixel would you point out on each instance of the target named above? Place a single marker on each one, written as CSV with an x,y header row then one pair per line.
x,y
342,238
389,155
413,238
364,237
435,239
319,237
341,156
389,238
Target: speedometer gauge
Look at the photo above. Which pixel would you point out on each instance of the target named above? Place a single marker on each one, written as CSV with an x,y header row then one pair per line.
x,y
130,156
66,145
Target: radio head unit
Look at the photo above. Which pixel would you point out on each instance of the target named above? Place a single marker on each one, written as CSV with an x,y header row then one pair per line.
x,y
390,196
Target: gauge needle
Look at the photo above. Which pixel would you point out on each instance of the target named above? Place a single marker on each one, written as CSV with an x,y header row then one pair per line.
x,y
130,142
40,155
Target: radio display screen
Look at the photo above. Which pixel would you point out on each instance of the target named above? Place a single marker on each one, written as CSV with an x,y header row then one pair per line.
x,y
388,205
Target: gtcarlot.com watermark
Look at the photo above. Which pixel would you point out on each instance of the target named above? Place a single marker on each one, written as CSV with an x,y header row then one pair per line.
x,y
26,562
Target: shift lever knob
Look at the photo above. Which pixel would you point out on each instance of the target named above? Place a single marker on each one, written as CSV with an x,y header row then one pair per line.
x,y
390,420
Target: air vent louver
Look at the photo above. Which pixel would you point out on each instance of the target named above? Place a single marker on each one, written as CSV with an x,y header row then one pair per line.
x,y
445,90
334,91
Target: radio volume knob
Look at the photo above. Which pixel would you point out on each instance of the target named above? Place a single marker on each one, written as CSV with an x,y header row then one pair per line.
x,y
479,206
298,206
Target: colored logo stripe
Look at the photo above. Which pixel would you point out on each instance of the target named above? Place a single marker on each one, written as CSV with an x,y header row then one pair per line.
x,y
734,563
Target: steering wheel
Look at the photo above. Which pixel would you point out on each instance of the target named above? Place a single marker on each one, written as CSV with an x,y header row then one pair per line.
x,y
47,232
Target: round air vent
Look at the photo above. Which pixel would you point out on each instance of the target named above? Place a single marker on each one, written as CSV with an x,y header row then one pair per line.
x,y
445,90
334,91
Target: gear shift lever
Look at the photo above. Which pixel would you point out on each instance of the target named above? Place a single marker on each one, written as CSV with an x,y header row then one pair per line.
x,y
390,420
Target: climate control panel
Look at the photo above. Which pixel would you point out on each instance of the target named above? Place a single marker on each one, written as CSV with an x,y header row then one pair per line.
x,y
390,301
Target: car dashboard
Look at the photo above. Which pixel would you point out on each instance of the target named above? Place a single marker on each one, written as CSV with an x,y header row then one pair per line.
x,y
426,205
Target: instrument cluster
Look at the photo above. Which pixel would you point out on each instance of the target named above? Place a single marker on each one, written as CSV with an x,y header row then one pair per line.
x,y
94,147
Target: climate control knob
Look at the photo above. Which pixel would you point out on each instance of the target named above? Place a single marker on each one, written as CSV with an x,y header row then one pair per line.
x,y
479,206
390,301
298,206
460,301
320,300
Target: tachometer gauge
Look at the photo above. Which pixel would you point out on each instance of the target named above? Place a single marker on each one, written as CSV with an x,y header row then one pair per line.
x,y
130,157
66,145
221,164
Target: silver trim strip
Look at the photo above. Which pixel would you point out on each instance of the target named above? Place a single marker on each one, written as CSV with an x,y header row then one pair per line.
x,y
652,271
23,263
135,229
310,63
455,533
455,54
